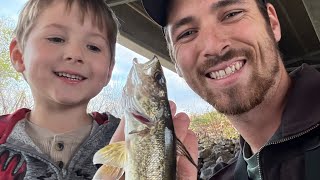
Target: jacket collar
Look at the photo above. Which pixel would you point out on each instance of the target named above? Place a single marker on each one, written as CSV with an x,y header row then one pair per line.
x,y
302,110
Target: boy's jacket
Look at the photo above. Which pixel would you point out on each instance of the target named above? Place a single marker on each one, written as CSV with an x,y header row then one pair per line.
x,y
20,158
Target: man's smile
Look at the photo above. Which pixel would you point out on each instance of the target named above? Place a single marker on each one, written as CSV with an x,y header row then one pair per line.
x,y
226,70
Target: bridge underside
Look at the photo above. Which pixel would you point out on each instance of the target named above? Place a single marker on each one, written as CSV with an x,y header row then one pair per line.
x,y
300,24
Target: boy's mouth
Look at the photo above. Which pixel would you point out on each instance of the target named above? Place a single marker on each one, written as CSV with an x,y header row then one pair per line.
x,y
227,71
74,77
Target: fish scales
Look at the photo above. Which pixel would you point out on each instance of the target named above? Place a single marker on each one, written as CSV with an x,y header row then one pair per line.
x,y
151,149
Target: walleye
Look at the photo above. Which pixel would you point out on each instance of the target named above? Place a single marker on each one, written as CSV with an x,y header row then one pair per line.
x,y
150,147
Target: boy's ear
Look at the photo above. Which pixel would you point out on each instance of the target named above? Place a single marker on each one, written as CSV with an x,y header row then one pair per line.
x,y
274,22
16,56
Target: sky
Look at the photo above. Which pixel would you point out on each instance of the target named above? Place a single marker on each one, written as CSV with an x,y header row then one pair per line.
x,y
178,91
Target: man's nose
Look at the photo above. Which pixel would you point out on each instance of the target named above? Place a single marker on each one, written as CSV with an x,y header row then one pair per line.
x,y
74,53
215,42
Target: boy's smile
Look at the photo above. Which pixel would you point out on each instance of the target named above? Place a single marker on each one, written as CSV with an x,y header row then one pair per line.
x,y
70,77
66,59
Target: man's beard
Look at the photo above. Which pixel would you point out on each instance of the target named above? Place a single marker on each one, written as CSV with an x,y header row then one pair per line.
x,y
241,98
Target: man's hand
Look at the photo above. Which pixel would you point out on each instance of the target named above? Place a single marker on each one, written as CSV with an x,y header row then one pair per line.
x,y
181,122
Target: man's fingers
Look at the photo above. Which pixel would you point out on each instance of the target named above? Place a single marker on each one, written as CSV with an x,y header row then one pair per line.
x,y
186,170
173,107
191,143
181,123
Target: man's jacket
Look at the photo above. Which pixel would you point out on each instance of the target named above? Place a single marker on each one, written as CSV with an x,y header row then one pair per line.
x,y
296,154
20,158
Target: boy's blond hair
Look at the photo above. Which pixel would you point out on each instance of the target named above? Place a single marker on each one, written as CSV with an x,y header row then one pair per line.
x,y
102,17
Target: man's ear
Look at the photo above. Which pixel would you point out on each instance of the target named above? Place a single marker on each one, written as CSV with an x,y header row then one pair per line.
x,y
178,70
274,22
16,56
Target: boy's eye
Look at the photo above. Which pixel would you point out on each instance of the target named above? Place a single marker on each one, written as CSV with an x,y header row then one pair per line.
x,y
186,34
232,14
93,48
56,40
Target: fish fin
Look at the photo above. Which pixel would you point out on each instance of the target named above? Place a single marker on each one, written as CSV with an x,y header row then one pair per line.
x,y
142,133
114,154
182,151
108,172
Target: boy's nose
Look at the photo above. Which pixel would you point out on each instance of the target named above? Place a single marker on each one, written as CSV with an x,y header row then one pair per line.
x,y
74,54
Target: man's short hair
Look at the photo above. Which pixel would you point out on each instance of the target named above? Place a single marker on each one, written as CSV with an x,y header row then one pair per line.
x,y
158,9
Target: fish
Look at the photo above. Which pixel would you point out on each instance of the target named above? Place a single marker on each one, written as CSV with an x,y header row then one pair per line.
x,y
150,148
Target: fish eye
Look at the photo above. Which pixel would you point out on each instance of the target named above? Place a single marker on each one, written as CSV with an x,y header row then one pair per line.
x,y
159,77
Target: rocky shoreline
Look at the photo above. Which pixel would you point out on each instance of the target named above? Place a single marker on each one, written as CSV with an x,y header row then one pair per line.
x,y
212,153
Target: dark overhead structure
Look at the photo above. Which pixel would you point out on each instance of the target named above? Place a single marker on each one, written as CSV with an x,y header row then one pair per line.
x,y
300,24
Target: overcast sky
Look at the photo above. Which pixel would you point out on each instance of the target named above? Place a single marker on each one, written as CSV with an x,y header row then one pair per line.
x,y
178,91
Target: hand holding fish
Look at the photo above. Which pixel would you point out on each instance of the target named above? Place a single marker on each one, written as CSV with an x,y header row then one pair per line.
x,y
151,142
181,122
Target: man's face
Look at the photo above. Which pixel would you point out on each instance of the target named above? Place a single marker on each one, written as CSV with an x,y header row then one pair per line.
x,y
225,51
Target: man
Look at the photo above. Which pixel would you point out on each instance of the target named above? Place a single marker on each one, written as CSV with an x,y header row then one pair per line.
x,y
227,52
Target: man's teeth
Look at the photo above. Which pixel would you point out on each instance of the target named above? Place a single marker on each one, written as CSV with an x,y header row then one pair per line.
x,y
227,71
70,76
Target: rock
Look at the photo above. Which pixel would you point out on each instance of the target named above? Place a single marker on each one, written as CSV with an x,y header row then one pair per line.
x,y
210,155
208,164
219,160
205,153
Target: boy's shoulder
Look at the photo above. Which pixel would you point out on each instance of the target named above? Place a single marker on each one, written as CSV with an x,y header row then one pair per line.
x,y
8,121
106,117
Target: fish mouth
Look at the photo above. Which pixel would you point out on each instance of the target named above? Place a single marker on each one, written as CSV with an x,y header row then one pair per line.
x,y
141,118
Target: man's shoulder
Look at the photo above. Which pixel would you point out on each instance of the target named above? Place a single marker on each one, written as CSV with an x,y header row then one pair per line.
x,y
305,71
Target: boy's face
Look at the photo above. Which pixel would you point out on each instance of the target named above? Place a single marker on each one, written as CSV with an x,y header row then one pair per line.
x,y
65,61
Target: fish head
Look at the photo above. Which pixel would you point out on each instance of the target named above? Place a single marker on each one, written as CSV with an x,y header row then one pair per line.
x,y
145,93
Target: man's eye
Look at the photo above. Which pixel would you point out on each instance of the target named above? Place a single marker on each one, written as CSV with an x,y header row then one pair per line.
x,y
186,34
232,14
93,48
56,40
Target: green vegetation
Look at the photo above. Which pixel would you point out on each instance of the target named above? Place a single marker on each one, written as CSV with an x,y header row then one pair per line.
x,y
12,94
6,70
213,126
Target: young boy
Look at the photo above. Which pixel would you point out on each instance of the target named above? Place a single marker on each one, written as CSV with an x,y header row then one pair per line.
x,y
65,50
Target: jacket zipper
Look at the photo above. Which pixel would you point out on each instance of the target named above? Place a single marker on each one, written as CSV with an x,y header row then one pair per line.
x,y
282,141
